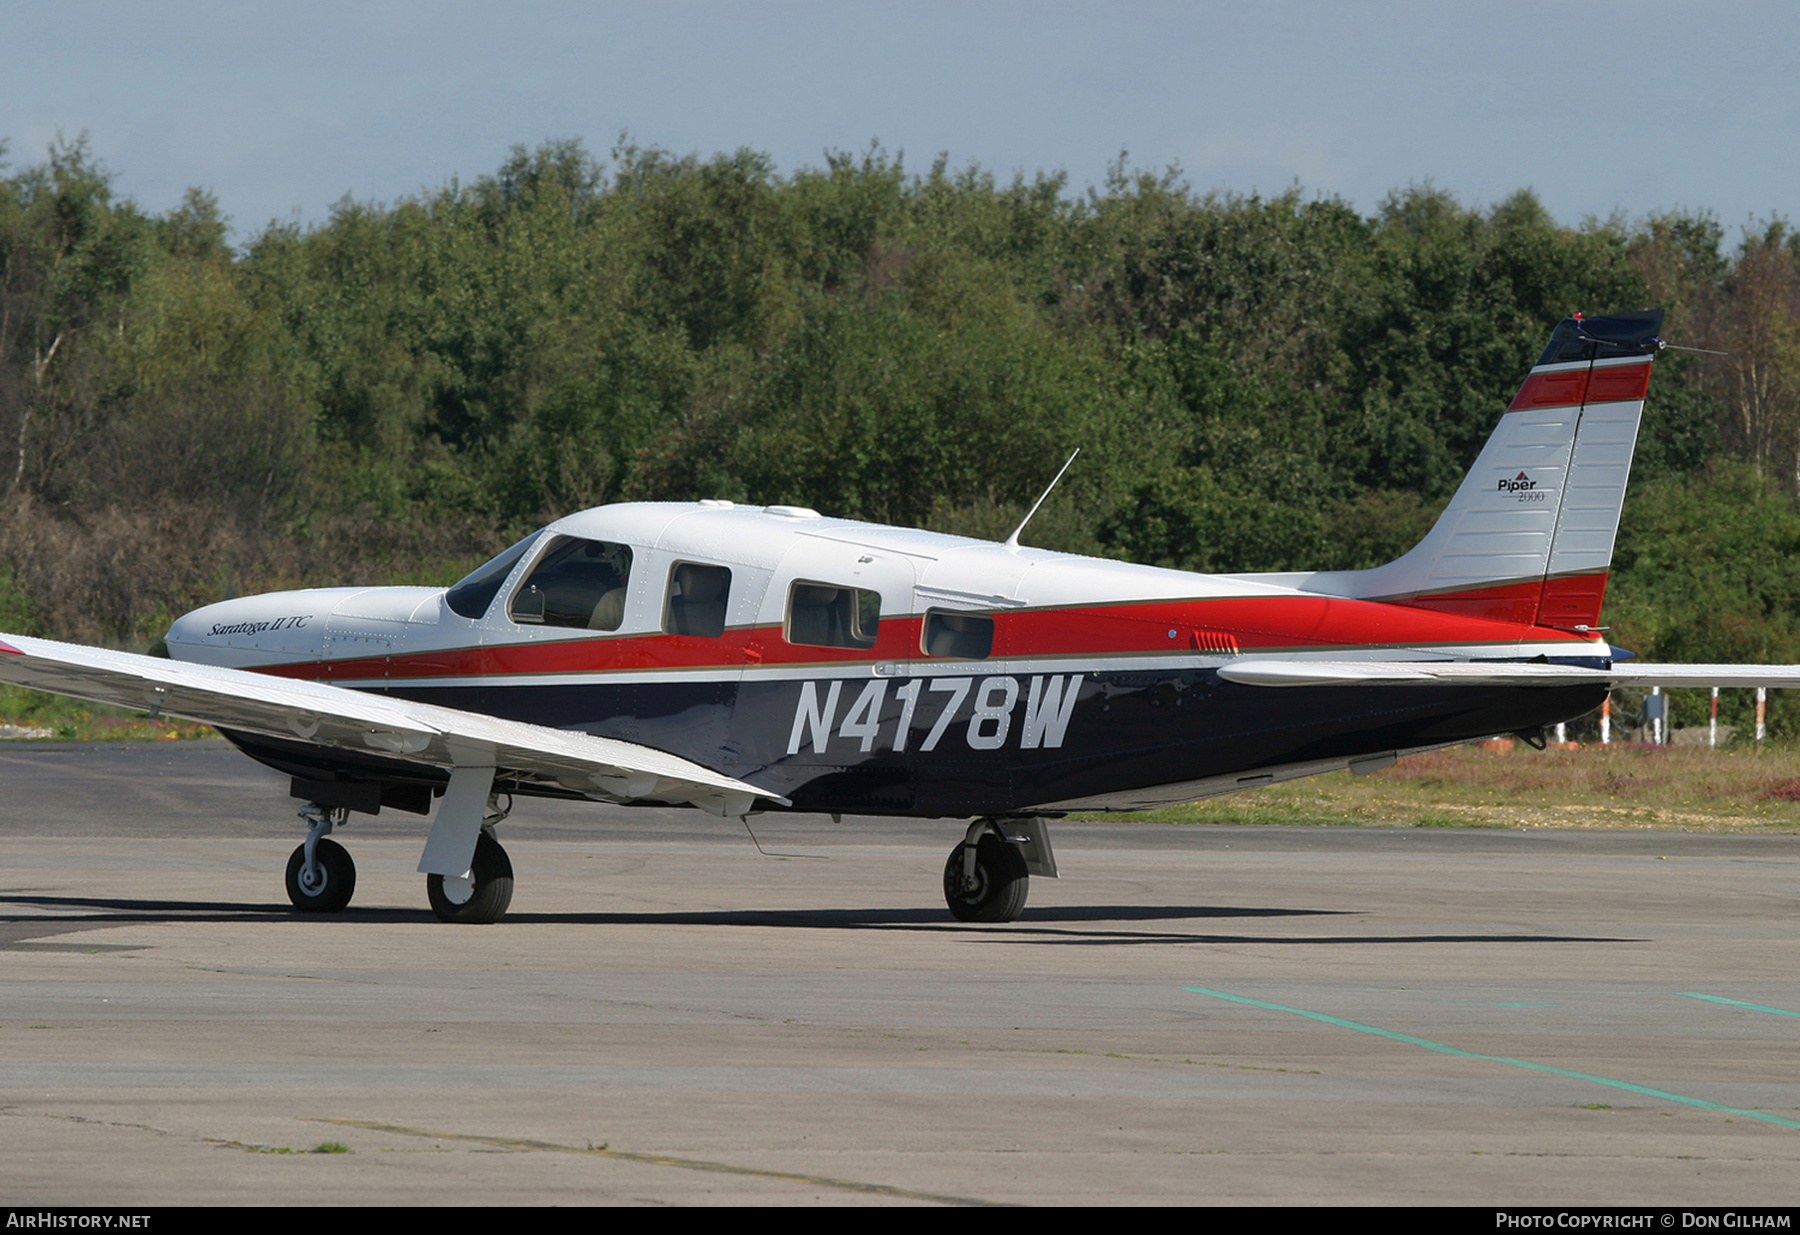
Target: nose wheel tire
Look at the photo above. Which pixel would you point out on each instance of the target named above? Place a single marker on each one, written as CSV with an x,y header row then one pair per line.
x,y
481,898
1001,882
328,886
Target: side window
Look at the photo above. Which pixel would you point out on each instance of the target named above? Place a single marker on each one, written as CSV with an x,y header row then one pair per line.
x,y
826,615
697,598
968,636
579,584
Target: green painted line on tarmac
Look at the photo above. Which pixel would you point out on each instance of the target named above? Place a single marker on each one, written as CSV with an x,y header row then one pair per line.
x,y
1738,1003
1443,1048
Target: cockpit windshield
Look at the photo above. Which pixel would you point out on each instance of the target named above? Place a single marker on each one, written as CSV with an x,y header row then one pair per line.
x,y
476,592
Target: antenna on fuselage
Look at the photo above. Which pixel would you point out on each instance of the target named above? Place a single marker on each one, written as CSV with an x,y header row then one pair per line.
x,y
1012,542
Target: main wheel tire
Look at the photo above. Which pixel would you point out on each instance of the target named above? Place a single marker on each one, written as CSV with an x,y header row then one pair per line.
x,y
328,887
490,873
1001,882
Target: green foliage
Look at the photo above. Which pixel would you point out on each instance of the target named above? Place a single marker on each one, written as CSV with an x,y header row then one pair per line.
x,y
15,605
1704,573
1705,568
1458,308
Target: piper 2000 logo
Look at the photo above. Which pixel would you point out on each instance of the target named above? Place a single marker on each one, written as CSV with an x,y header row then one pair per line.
x,y
1523,486
1049,703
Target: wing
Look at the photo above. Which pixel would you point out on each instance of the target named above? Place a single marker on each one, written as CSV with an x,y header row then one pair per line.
x,y
1499,673
333,717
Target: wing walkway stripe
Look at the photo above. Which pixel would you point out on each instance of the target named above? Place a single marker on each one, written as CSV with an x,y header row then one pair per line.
x,y
1445,1049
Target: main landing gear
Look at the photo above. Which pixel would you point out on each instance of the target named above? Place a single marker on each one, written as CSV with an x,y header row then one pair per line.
x,y
483,896
988,875
321,878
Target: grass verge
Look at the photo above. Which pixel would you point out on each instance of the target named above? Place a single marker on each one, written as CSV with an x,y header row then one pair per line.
x,y
1617,786
54,718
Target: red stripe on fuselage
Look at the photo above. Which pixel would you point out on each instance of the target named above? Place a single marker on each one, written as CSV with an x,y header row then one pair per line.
x,y
1294,623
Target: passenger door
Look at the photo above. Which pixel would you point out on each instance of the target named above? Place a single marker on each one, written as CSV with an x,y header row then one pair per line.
x,y
828,700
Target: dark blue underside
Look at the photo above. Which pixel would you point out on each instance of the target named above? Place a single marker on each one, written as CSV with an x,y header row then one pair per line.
x,y
1128,731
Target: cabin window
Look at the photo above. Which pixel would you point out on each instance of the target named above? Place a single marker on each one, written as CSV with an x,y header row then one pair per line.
x,y
826,615
697,599
471,597
578,584
968,636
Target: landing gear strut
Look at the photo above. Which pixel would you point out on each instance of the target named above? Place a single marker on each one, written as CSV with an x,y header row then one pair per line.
x,y
321,878
986,878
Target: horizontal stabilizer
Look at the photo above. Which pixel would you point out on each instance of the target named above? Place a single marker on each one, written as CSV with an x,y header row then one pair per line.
x,y
1500,673
1638,673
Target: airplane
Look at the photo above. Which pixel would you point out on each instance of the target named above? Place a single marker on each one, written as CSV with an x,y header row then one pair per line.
x,y
741,659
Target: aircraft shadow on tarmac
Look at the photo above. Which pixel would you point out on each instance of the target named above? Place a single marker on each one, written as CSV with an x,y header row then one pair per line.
x,y
1047,925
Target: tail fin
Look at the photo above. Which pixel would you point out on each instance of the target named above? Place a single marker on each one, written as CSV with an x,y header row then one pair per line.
x,y
1529,535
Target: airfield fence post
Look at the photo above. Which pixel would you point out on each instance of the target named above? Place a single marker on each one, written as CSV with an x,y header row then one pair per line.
x,y
1606,720
1762,713
1656,717
1712,726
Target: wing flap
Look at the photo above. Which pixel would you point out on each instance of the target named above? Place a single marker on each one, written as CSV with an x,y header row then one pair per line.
x,y
334,717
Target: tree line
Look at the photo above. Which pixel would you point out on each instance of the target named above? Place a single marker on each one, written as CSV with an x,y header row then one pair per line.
x,y
1258,383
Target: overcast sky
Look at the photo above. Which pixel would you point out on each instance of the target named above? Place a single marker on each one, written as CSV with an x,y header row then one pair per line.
x,y
283,109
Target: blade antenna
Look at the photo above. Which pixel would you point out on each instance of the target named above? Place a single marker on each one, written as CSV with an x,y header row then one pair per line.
x,y
1012,542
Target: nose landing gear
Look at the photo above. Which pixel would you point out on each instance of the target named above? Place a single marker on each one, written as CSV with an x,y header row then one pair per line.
x,y
321,878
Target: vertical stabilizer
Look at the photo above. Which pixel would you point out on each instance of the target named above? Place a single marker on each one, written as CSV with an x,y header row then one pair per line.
x,y
1529,535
